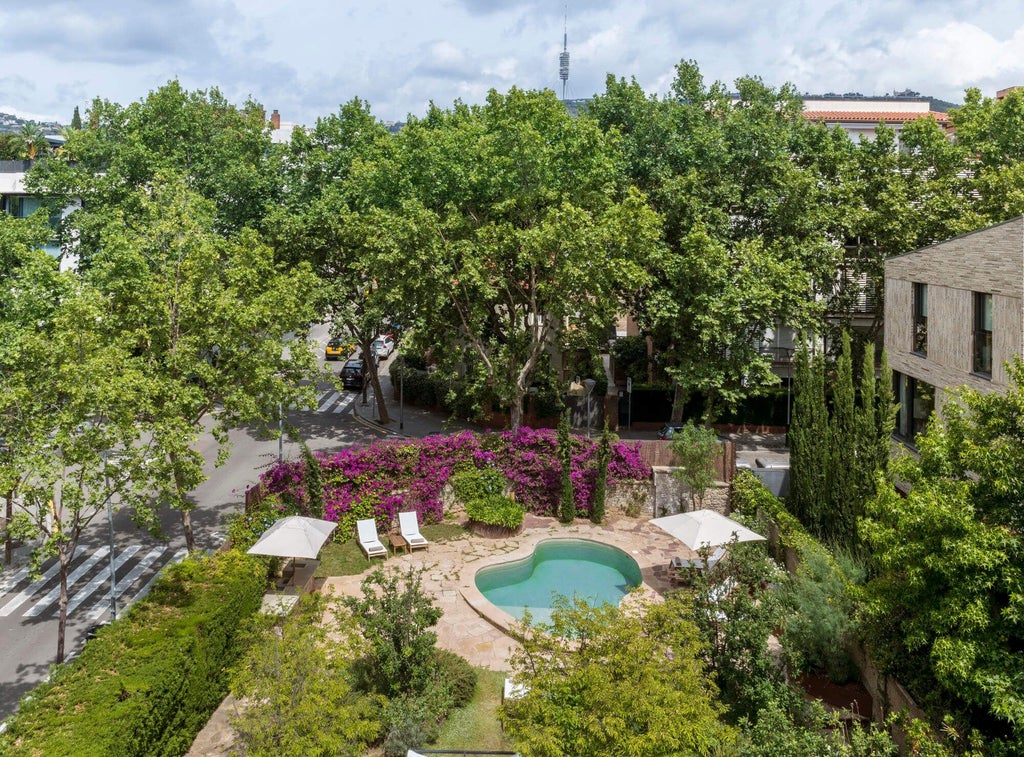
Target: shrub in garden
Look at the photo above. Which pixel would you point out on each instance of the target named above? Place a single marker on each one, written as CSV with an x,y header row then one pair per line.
x,y
456,675
147,684
496,510
381,479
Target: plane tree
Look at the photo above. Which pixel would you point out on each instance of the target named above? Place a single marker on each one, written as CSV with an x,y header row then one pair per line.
x,y
218,325
68,396
327,217
522,233
743,226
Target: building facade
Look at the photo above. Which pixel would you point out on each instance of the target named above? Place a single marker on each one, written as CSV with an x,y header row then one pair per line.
x,y
954,315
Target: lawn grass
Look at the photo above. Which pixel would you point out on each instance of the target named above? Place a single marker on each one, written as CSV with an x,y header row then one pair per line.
x,y
475,726
347,559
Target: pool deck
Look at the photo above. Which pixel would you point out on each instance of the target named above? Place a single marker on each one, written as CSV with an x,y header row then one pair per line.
x,y
473,627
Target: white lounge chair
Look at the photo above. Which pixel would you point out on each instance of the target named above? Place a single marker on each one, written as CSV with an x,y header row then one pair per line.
x,y
410,529
678,563
368,539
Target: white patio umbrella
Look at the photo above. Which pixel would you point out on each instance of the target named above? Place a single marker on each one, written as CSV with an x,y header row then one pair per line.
x,y
294,536
702,529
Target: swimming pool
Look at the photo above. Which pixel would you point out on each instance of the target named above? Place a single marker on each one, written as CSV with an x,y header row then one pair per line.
x,y
594,572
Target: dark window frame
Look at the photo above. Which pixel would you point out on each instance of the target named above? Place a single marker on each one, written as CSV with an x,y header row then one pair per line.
x,y
981,342
920,320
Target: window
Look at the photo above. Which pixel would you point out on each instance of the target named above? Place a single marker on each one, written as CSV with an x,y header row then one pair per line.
x,y
916,403
920,319
982,334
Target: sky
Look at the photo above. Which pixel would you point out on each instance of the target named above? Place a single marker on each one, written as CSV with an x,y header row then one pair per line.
x,y
306,58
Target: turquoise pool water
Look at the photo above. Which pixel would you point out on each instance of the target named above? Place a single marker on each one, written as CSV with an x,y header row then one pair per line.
x,y
595,572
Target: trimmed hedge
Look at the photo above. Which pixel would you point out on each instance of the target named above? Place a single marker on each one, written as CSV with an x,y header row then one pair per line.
x,y
147,684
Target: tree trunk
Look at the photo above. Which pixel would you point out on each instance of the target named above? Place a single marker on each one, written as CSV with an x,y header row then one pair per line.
x,y
382,408
186,524
62,617
186,510
8,541
515,409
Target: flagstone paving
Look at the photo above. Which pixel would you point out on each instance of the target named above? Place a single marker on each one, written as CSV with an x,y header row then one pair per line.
x,y
475,629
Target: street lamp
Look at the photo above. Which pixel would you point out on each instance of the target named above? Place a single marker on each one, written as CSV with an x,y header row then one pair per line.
x,y
589,385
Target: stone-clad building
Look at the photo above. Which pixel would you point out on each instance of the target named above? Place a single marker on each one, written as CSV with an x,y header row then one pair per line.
x,y
954,314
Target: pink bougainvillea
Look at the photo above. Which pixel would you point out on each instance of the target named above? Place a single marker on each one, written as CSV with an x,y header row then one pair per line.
x,y
382,479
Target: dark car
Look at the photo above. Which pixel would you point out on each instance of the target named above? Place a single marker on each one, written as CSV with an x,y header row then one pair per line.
x,y
669,430
352,374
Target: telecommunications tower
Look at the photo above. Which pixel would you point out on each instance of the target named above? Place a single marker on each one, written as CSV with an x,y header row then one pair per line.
x,y
563,57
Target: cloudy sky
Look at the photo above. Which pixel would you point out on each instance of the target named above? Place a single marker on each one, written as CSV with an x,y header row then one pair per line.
x,y
306,57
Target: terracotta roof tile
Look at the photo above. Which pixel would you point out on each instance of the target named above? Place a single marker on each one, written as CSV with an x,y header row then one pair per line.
x,y
872,116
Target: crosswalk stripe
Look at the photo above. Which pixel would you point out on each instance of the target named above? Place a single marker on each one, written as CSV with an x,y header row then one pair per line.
x,y
23,596
97,581
124,583
77,573
9,580
327,403
344,405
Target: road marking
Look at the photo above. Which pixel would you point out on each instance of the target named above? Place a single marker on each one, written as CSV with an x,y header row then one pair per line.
x,y
97,581
26,594
327,403
344,405
124,583
54,594
9,580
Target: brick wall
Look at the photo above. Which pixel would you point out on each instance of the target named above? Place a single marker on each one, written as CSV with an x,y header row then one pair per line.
x,y
989,260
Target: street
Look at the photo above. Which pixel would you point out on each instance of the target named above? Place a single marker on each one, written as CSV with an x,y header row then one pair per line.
x,y
28,608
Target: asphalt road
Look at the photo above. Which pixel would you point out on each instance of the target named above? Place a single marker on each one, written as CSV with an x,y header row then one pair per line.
x,y
28,609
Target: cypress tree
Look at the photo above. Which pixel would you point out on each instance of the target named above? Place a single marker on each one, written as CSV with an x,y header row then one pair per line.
x,y
76,120
567,511
839,514
314,481
604,456
800,440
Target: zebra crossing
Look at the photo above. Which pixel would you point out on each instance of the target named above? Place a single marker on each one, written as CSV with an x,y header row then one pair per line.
x,y
88,582
331,402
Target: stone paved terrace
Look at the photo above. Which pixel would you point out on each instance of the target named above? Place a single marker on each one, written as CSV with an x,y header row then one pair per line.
x,y
449,568
473,627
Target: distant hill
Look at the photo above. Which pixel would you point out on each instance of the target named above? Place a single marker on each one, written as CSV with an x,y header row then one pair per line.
x,y
10,123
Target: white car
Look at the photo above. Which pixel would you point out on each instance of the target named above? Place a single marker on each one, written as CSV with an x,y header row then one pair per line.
x,y
382,347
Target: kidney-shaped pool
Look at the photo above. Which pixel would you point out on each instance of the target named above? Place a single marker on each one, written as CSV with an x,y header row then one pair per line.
x,y
594,572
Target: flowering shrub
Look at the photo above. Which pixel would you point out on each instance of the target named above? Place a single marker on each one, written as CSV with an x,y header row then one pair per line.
x,y
389,476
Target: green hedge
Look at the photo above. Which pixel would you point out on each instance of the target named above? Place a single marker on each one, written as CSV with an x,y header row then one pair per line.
x,y
147,684
496,510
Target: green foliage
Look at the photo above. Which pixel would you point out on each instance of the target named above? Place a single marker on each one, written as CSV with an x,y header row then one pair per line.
x,y
630,354
245,528
455,674
148,683
694,448
836,457
567,498
295,683
811,733
496,510
313,478
469,484
604,453
735,610
603,681
394,615
819,626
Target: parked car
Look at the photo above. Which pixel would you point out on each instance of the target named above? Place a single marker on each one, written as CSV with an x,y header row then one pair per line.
x,y
669,430
337,349
352,374
382,346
